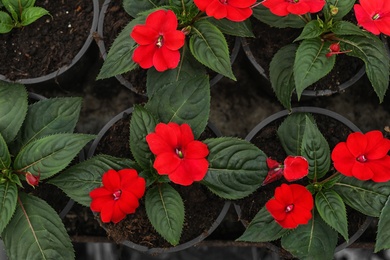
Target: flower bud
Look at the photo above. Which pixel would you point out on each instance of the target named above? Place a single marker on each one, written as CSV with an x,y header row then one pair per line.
x,y
333,9
32,180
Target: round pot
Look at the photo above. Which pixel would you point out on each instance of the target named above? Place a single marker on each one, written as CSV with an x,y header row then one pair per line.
x,y
266,131
249,48
220,205
72,71
103,47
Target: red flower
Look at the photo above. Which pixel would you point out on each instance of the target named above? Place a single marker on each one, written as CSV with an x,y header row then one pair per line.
x,y
234,10
275,171
295,168
32,180
119,195
178,155
291,205
159,41
363,156
374,15
298,7
334,49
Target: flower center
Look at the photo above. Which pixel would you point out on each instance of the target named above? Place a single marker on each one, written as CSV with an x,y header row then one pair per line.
x,y
289,208
224,2
179,153
160,41
376,17
362,158
117,194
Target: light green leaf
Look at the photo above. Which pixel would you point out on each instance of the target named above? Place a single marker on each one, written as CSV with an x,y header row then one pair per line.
x,y
79,180
236,167
183,101
13,109
332,210
5,157
281,74
6,23
12,7
263,14
366,197
240,29
141,124
291,131
8,199
263,228
383,235
316,240
165,210
209,47
50,154
311,30
311,63
316,150
31,14
134,7
36,232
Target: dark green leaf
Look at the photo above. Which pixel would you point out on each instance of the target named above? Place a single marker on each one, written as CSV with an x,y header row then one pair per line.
x,y
240,29
5,157
134,7
31,14
347,28
263,14
344,7
165,210
383,235
8,199
290,133
236,167
311,30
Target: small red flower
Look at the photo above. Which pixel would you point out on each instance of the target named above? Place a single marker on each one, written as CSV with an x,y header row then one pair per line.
x,y
374,15
291,205
234,10
363,156
297,7
275,171
295,168
159,41
33,180
178,155
118,196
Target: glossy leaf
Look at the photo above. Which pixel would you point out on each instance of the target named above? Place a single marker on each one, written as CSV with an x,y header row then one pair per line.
x,y
316,240
183,101
31,14
6,22
50,154
165,210
263,14
290,133
311,63
36,232
8,199
282,74
311,30
12,8
209,47
134,7
141,124
13,109
236,167
79,180
316,150
240,29
263,228
383,235
5,156
332,210
366,197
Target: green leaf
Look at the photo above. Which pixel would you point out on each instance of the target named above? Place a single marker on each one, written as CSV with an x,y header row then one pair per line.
x,y
311,30
5,157
209,47
141,124
372,51
49,116
12,7
316,240
165,210
8,199
27,3
316,150
263,228
36,232
344,7
134,7
311,63
290,133
183,101
6,23
240,29
120,56
366,197
236,167
347,28
31,14
383,235
188,67
79,180
332,210
13,109
263,14
50,154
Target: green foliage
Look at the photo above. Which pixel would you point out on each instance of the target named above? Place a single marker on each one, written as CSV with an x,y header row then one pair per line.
x,y
135,7
241,29
344,7
5,156
291,131
264,15
8,199
383,235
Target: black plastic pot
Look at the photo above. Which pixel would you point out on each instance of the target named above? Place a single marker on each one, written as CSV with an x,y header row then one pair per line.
x,y
161,250
104,49
313,110
73,71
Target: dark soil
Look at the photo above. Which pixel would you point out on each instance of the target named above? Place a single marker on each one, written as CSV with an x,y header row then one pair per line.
x,y
49,43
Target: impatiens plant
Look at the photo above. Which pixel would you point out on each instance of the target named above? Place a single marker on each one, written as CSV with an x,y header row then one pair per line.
x,y
36,143
173,38
19,13
324,36
308,216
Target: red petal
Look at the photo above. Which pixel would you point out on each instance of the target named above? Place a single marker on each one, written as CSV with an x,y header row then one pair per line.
x,y
156,19
381,169
277,7
238,14
143,55
383,24
180,176
158,144
187,135
342,159
169,23
202,4
144,35
273,175
301,215
272,164
216,10
295,168
315,5
195,150
372,7
117,214
165,58
288,222
197,169
302,197
377,145
100,192
174,40
365,20
361,171
166,163
128,202
107,212
284,194
132,183
241,3
299,8
276,209
97,204
111,180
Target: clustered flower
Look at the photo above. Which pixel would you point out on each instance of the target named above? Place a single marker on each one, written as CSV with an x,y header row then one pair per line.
x,y
234,10
297,7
